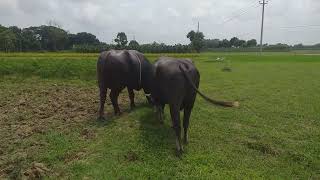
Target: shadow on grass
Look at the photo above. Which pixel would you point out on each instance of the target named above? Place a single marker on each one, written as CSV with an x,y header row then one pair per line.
x,y
157,138
110,117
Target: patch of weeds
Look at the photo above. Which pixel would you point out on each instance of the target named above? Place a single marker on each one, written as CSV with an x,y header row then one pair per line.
x,y
131,156
297,157
262,147
226,66
88,133
12,170
59,145
74,156
37,171
303,160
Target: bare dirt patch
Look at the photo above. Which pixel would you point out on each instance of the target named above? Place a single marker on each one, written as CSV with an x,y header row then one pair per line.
x,y
29,109
264,148
131,156
36,171
73,156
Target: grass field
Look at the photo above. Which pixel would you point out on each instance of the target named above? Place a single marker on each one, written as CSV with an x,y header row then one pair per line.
x,y
48,127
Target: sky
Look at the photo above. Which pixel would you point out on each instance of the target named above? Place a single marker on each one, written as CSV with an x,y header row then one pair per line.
x,y
168,21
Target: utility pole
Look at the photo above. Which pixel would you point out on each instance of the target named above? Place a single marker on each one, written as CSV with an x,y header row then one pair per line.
x,y
263,2
198,27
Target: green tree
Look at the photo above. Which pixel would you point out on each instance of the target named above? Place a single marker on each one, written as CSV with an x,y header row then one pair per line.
x,y
121,40
51,38
241,43
252,43
7,41
133,44
197,40
83,38
18,40
211,43
2,28
225,43
29,40
191,35
234,42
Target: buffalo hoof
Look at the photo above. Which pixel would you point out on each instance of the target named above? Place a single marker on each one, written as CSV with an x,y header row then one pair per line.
x,y
179,147
179,153
132,106
101,118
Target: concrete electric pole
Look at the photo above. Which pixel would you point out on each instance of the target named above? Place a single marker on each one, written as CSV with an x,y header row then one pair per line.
x,y
198,27
263,2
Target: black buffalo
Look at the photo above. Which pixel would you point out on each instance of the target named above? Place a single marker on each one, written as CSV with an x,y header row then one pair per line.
x,y
176,83
117,69
170,81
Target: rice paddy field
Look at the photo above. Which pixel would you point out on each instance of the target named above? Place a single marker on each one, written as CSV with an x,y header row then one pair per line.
x,y
48,126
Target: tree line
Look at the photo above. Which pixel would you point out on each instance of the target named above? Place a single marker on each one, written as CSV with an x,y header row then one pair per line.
x,y
53,38
46,38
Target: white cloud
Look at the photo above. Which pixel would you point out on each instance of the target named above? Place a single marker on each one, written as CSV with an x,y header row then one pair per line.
x,y
173,12
169,21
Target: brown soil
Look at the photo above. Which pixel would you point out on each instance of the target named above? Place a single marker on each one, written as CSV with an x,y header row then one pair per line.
x,y
32,108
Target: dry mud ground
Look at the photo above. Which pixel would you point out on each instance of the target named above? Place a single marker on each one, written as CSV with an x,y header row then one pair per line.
x,y
30,108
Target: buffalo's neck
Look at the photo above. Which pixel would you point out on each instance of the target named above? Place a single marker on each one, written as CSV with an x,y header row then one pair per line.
x,y
148,78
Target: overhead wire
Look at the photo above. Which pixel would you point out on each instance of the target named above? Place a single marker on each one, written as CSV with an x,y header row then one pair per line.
x,y
241,12
238,13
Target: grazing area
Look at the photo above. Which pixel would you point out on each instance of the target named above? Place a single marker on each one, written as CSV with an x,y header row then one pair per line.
x,y
48,121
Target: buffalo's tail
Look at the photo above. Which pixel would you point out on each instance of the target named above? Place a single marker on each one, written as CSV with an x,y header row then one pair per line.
x,y
101,66
216,102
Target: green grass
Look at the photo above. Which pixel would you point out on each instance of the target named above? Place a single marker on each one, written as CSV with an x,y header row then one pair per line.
x,y
275,134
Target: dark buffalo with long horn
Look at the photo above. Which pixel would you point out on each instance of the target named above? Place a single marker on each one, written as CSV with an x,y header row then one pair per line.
x,y
117,69
176,83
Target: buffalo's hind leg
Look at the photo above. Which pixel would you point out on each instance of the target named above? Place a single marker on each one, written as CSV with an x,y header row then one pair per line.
x,y
131,96
175,117
114,94
103,94
160,113
186,119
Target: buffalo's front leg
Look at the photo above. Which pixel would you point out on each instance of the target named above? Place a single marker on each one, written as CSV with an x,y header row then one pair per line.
x,y
160,113
131,96
175,117
114,94
103,94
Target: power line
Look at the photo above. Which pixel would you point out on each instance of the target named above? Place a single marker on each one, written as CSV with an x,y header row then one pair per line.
x,y
244,35
300,26
241,12
296,28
